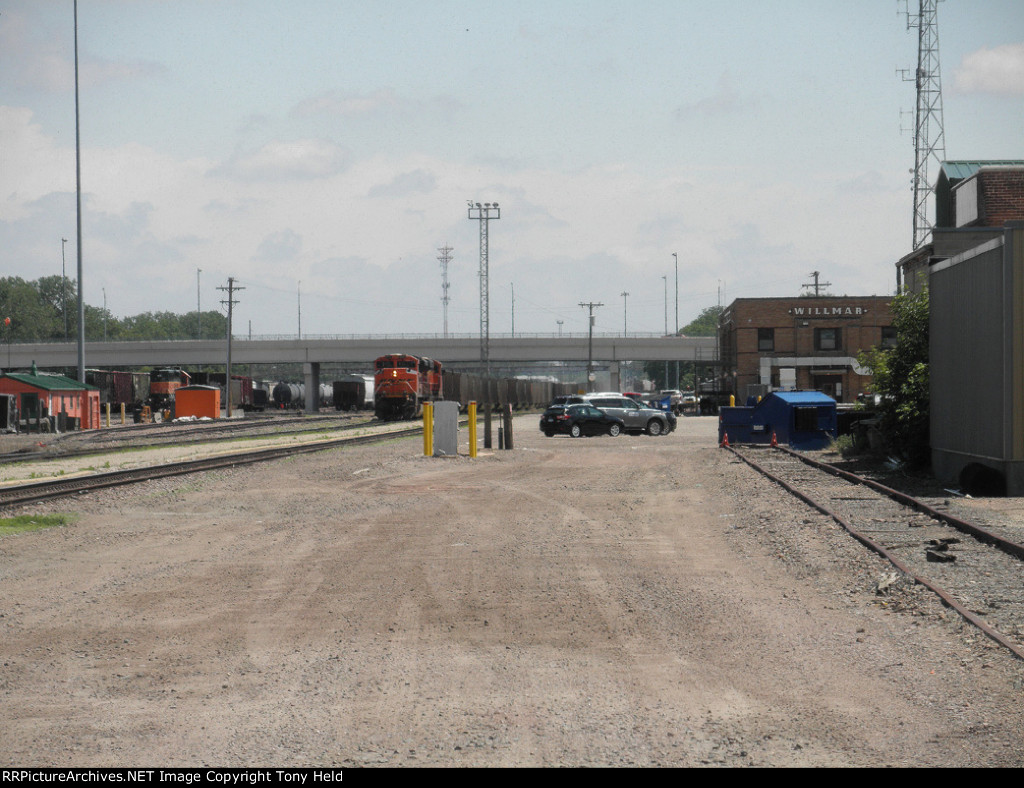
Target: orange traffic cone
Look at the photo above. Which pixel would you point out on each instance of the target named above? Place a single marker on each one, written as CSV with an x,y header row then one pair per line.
x,y
725,441
775,441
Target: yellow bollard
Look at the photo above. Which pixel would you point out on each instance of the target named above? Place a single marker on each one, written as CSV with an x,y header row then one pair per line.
x,y
123,422
107,406
472,429
732,400
428,429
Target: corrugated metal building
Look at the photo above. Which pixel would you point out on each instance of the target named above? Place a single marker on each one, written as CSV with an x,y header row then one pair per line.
x,y
976,348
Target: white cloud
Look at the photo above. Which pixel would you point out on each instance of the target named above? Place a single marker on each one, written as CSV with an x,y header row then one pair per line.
x,y
347,104
999,70
32,163
277,161
295,209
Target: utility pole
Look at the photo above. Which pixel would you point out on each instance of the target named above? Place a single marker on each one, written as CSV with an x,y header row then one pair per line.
x,y
104,314
816,284
445,258
484,213
298,296
625,329
230,302
929,137
590,345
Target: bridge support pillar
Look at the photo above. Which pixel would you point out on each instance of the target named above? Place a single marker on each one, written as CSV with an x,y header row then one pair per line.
x,y
311,369
614,374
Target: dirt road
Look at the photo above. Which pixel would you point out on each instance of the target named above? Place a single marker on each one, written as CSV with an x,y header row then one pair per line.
x,y
605,601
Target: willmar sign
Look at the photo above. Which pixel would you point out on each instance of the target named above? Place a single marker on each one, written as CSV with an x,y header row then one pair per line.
x,y
828,311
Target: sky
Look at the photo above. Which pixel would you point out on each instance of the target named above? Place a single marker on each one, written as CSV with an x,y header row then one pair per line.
x,y
322,152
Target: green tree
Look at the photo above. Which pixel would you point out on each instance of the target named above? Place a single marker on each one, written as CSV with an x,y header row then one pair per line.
x,y
704,325
900,378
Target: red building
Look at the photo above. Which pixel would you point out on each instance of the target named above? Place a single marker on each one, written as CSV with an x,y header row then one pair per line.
x,y
45,397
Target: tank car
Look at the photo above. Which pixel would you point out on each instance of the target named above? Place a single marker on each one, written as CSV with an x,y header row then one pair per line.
x,y
288,395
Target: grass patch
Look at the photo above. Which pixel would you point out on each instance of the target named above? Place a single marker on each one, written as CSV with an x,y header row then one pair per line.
x,y
32,522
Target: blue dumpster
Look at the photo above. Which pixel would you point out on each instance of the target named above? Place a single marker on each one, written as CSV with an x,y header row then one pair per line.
x,y
800,419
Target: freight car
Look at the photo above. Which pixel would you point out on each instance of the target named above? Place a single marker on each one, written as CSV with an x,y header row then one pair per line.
x,y
522,393
402,383
130,389
243,389
353,392
292,396
286,396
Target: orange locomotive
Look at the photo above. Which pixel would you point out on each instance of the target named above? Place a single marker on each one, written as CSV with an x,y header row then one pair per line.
x,y
402,383
162,385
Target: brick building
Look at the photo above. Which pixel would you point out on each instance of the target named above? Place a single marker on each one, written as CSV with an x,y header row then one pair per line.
x,y
974,200
801,344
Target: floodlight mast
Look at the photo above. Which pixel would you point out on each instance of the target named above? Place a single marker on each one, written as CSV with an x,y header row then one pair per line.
x,y
484,214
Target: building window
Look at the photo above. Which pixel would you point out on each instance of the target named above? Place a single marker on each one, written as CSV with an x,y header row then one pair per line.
x,y
827,339
765,339
888,336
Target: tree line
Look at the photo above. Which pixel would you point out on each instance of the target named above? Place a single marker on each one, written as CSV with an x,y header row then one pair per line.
x,y
704,325
46,310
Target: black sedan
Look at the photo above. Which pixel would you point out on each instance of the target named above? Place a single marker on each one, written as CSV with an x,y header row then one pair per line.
x,y
578,420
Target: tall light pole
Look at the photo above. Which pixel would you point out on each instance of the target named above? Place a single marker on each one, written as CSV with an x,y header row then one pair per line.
x,y
78,198
64,286
199,308
676,258
665,280
624,295
484,213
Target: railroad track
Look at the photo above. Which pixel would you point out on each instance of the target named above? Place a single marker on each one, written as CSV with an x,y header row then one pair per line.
x,y
33,492
974,570
155,436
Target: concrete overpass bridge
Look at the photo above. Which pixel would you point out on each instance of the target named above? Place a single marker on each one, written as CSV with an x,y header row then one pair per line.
x,y
359,351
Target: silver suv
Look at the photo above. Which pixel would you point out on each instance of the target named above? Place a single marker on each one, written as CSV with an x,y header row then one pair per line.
x,y
636,417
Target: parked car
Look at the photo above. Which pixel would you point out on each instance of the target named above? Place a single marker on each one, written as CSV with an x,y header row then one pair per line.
x,y
578,420
567,399
675,397
637,418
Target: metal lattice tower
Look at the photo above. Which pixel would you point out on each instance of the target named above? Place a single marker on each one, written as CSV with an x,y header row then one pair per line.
x,y
484,213
929,137
445,258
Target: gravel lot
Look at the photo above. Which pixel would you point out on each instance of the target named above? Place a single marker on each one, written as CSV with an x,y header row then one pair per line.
x,y
621,602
